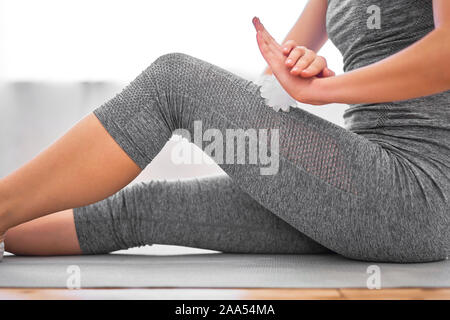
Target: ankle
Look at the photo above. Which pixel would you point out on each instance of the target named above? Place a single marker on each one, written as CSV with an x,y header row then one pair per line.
x,y
3,229
3,225
5,212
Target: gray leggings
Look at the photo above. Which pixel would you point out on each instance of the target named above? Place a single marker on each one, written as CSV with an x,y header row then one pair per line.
x,y
334,189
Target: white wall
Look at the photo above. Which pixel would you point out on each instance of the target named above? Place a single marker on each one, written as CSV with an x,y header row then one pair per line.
x,y
91,40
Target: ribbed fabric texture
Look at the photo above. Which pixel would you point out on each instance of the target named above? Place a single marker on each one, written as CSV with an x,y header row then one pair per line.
x,y
210,213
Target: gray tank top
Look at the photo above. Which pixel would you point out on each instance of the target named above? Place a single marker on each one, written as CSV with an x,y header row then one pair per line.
x,y
418,130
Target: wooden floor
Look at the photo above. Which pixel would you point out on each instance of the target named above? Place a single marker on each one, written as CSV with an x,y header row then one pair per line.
x,y
227,294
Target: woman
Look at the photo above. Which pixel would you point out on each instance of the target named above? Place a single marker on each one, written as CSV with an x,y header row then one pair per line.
x,y
378,190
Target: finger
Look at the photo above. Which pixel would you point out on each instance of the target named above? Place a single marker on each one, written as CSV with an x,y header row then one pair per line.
x,y
260,27
295,54
272,45
267,36
261,30
263,47
315,67
261,42
257,23
272,57
288,46
328,73
266,39
303,62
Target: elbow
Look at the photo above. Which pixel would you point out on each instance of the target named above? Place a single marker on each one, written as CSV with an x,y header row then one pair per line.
x,y
443,50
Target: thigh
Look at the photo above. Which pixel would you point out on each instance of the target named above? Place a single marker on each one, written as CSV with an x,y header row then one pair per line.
x,y
210,213
340,189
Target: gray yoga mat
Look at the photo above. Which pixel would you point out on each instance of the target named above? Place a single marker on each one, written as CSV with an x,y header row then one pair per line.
x,y
216,270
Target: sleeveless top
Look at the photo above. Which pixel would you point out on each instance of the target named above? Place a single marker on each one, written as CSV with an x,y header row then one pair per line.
x,y
417,130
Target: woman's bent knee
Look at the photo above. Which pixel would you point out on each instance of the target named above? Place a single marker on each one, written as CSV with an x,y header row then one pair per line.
x,y
170,64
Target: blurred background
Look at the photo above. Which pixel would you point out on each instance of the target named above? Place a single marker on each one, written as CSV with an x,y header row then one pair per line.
x,y
59,60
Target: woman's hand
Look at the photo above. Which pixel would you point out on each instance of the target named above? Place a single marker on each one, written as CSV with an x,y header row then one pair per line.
x,y
305,62
301,83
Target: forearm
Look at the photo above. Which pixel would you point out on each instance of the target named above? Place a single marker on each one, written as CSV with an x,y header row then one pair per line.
x,y
419,70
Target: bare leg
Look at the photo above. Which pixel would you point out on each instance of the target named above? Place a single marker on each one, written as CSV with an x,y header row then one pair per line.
x,y
53,234
83,166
